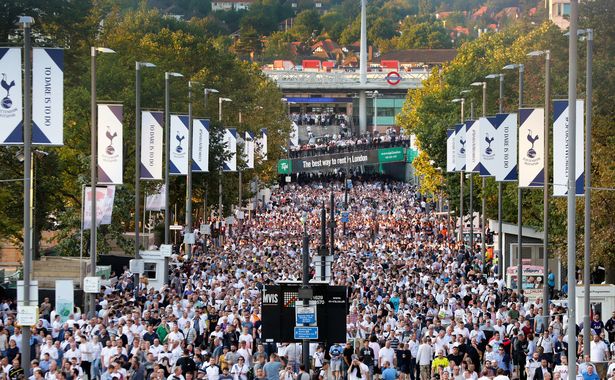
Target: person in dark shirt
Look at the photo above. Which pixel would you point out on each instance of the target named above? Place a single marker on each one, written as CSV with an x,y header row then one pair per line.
x,y
366,355
456,356
403,359
597,325
347,356
150,335
16,372
186,363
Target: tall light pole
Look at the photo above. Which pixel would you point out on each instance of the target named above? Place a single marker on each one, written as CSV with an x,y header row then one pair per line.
x,y
572,186
363,69
521,69
220,101
375,94
483,180
545,195
206,92
589,38
500,187
93,165
138,66
167,151
188,228
26,23
461,174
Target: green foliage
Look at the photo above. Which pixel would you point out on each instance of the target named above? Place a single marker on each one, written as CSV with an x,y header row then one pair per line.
x,y
307,24
416,33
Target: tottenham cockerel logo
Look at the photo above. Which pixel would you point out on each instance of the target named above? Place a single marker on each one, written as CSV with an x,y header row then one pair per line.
x,y
7,103
179,139
110,149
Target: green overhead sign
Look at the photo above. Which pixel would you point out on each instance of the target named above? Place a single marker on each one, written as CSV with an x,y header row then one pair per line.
x,y
285,166
390,155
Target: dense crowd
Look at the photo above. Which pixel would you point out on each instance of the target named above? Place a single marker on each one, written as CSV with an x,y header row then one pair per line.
x,y
348,144
319,118
421,306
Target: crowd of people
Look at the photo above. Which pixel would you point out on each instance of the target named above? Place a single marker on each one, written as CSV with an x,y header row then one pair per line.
x,y
319,118
340,144
421,306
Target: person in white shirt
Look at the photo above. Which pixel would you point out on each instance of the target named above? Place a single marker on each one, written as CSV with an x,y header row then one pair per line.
x,y
175,335
357,370
386,354
50,349
423,358
599,355
212,371
177,374
240,369
73,352
562,368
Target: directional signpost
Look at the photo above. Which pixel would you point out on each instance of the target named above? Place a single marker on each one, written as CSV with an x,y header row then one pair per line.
x,y
308,333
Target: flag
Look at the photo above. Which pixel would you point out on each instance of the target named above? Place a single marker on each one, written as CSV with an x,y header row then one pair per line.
x,y
200,145
505,146
105,197
230,148
472,147
450,150
152,139
262,144
486,146
47,96
178,145
560,148
11,106
531,147
294,135
110,144
248,149
460,147
155,202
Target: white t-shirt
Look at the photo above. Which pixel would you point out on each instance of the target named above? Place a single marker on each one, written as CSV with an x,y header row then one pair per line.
x,y
353,374
597,351
386,354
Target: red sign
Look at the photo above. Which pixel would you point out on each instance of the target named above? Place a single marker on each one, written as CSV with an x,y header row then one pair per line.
x,y
393,78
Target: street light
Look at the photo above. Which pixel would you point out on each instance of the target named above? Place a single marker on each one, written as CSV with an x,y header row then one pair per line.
x,y
545,207
461,174
167,150
206,92
138,66
500,187
521,69
220,101
93,164
483,179
188,228
375,95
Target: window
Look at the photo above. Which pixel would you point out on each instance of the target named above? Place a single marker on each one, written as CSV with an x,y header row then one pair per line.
x,y
386,111
149,270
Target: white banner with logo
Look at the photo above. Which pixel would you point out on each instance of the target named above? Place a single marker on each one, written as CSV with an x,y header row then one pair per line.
x,y
248,149
460,147
560,148
450,150
152,140
486,140
11,106
110,145
472,148
230,148
47,96
65,299
105,197
262,144
294,135
178,145
505,146
531,147
200,145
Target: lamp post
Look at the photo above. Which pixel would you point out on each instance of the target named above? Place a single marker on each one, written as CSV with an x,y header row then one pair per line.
x,y
206,92
375,94
545,207
521,69
220,101
500,190
589,38
483,180
167,151
93,164
461,174
188,228
572,186
138,66
26,23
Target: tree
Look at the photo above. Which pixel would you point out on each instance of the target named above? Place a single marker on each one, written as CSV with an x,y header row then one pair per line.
x,y
306,24
427,34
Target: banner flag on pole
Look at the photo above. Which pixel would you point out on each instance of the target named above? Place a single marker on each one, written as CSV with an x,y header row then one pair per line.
x,y
11,97
505,146
486,140
110,144
105,197
450,150
178,145
262,144
531,147
472,147
248,149
560,148
230,147
47,96
152,139
294,135
200,145
460,147
155,202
